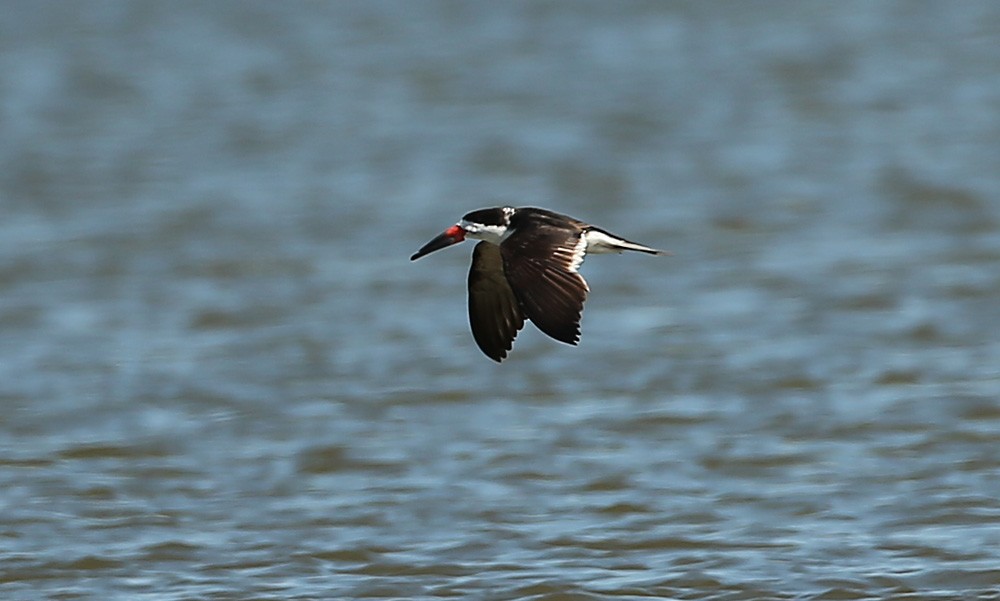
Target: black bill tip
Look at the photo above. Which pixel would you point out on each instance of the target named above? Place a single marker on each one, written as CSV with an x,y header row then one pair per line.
x,y
452,235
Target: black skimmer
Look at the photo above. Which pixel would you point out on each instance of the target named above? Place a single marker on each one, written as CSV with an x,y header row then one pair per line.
x,y
526,268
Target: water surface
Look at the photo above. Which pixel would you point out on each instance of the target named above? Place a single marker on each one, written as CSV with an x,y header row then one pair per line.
x,y
221,377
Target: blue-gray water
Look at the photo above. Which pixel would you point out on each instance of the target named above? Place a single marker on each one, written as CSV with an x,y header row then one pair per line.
x,y
222,378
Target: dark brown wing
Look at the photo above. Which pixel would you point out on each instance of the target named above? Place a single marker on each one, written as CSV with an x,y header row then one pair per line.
x,y
540,263
494,313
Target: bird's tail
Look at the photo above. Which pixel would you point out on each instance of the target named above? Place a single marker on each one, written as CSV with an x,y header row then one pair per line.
x,y
627,245
599,241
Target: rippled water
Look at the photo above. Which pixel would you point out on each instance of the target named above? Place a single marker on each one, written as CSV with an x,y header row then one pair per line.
x,y
221,377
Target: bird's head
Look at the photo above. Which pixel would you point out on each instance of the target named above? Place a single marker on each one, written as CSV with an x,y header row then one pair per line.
x,y
484,224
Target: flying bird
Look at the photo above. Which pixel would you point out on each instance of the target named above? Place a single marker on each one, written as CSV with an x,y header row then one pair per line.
x,y
525,267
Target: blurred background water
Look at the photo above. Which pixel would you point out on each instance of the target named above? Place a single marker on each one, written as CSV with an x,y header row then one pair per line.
x,y
221,377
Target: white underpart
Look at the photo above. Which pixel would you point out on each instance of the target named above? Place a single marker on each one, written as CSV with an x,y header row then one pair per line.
x,y
599,242
490,233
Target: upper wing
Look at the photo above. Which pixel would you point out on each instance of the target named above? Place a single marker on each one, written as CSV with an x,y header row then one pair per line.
x,y
494,313
541,263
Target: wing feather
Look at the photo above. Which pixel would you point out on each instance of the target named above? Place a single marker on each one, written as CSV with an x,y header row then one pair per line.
x,y
540,264
494,312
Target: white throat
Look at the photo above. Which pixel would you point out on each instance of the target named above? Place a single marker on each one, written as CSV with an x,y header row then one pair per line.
x,y
494,234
